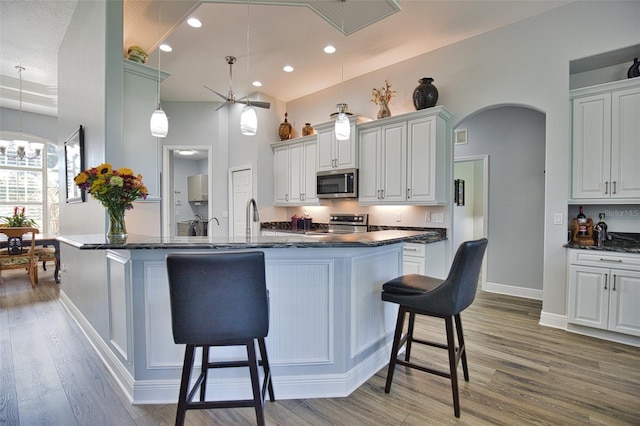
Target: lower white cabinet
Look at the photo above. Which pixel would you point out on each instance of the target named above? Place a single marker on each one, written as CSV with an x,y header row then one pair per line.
x,y
424,259
604,291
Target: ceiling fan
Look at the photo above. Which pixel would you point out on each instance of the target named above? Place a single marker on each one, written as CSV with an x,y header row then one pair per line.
x,y
231,98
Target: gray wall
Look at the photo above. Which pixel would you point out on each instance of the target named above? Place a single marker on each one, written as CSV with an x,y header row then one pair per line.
x,y
513,137
44,126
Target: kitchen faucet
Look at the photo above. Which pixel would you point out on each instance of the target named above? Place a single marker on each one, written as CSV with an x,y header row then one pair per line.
x,y
256,217
216,219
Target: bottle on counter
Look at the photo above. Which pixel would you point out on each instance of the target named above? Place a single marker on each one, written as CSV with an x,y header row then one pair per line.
x,y
600,235
582,222
294,222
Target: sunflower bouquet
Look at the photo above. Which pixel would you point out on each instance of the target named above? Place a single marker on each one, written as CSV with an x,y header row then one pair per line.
x,y
115,189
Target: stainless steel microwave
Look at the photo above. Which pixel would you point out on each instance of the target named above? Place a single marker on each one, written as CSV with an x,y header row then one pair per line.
x,y
337,183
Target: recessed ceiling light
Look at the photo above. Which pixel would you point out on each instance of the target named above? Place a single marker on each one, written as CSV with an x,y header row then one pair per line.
x,y
287,68
166,48
186,152
194,22
329,49
257,83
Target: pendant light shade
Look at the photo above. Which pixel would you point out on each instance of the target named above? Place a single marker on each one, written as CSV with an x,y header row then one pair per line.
x,y
248,121
159,124
343,127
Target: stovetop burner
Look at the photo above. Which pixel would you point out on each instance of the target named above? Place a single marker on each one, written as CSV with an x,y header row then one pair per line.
x,y
348,223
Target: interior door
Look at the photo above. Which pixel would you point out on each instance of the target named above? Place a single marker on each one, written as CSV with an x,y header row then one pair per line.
x,y
242,191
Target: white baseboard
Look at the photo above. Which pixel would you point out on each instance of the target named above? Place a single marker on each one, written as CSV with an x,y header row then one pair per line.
x,y
553,320
509,290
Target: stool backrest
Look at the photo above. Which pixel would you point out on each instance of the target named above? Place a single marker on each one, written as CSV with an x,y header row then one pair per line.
x,y
462,281
218,298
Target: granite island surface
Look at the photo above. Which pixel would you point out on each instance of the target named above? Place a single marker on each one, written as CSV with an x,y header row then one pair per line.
x,y
329,329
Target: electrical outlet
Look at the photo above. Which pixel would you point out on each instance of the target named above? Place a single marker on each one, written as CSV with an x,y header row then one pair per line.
x,y
398,217
437,217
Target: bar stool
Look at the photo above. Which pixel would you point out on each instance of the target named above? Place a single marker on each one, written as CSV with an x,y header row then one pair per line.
x,y
220,300
423,295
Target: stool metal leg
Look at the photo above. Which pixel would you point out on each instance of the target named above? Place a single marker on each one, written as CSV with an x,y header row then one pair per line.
x,y
184,384
267,370
462,348
453,364
204,371
255,382
395,347
412,321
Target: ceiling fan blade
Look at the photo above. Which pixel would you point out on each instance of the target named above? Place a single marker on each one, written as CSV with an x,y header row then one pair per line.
x,y
222,105
219,94
258,104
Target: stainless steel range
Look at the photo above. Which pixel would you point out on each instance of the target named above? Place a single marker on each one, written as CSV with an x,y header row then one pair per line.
x,y
348,223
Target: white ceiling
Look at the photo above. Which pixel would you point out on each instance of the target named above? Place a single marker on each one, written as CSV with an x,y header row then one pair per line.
x,y
280,32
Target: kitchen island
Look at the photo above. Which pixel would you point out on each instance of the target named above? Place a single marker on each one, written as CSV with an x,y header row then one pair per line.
x,y
329,330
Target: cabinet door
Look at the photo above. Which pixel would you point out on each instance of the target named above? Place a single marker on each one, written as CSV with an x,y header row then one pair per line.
x,y
309,193
281,174
394,161
368,186
624,315
345,151
325,149
413,265
591,147
421,160
589,296
296,173
625,144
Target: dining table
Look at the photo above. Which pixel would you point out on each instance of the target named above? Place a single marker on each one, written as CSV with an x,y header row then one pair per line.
x,y
44,240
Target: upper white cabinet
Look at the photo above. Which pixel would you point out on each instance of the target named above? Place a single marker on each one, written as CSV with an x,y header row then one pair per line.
x,y
405,159
335,154
140,100
295,172
606,142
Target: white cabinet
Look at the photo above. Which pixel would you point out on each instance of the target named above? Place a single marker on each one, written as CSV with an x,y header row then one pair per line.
x,y
294,170
405,159
198,188
606,142
604,291
335,154
139,148
424,259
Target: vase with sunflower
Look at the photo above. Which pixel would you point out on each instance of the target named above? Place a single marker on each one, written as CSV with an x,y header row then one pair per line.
x,y
116,190
381,97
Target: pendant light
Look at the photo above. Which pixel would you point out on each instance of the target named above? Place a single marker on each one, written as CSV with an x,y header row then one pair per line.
x,y
159,124
248,117
343,127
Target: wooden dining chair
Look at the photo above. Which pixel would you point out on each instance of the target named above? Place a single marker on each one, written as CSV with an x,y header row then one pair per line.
x,y
19,254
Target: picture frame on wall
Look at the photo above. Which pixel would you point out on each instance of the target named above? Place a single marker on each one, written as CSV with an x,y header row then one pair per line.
x,y
458,189
74,159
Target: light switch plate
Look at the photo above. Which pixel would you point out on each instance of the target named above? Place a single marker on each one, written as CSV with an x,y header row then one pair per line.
x,y
558,219
437,217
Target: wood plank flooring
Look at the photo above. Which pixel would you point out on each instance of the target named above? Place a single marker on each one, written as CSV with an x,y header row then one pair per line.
x,y
521,374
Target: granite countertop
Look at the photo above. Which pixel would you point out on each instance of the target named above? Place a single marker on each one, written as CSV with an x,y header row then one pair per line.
x,y
624,242
311,240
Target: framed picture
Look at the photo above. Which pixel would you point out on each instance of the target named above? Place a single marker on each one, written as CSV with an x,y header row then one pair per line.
x,y
74,157
458,189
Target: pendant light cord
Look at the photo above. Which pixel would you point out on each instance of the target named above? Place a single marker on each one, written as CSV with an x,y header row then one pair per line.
x,y
159,50
248,25
20,69
342,54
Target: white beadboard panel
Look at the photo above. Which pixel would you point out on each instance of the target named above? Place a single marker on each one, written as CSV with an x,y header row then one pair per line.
x,y
162,352
119,282
301,311
371,318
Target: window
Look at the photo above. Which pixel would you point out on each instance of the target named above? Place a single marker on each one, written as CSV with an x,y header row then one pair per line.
x,y
31,182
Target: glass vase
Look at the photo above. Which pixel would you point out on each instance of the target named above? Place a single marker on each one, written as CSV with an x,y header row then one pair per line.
x,y
117,233
384,110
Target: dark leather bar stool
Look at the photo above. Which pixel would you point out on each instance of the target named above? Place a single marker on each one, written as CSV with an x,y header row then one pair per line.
x,y
220,300
423,295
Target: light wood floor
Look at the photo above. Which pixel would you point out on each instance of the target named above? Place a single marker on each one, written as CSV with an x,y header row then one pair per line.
x,y
521,373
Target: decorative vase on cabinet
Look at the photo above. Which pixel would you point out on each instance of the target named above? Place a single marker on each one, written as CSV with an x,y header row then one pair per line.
x,y
384,110
425,95
634,71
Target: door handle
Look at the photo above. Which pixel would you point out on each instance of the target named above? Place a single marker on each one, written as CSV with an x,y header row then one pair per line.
x,y
605,280
614,187
408,193
382,193
614,283
606,187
